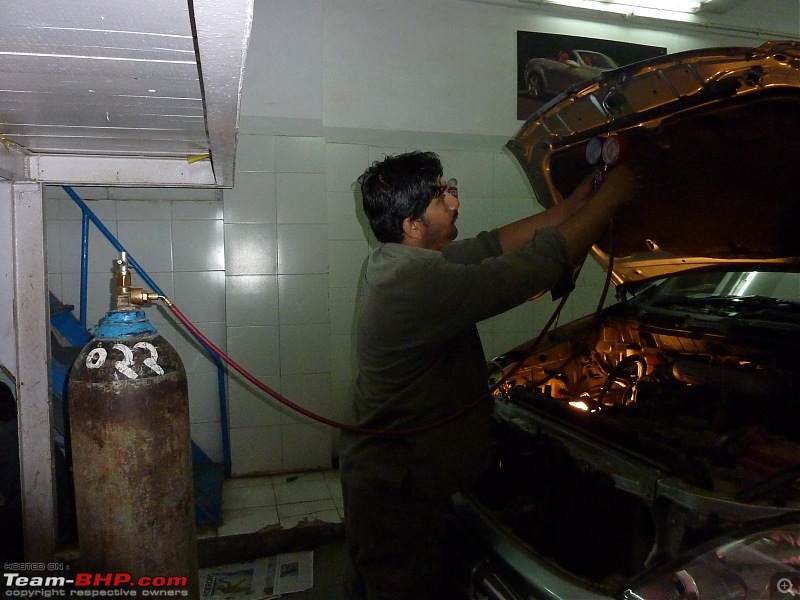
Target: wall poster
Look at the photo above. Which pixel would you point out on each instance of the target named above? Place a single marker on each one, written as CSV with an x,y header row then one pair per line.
x,y
548,63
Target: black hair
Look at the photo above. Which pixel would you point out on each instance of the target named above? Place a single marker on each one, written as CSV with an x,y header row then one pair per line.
x,y
399,187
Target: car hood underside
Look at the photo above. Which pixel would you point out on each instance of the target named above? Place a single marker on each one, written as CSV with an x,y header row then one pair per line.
x,y
715,134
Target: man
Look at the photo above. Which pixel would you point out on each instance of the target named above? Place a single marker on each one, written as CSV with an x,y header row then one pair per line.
x,y
420,359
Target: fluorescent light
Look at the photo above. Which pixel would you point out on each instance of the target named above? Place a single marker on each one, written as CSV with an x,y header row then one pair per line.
x,y
594,5
687,6
639,7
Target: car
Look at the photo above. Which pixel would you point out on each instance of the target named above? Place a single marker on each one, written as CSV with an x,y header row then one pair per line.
x,y
546,76
651,449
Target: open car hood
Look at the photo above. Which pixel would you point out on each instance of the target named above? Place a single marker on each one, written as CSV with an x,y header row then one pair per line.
x,y
717,132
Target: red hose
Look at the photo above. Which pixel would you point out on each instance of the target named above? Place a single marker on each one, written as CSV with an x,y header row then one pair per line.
x,y
319,418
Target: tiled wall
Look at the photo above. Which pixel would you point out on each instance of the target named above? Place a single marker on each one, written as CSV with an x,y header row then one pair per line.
x,y
277,272
271,273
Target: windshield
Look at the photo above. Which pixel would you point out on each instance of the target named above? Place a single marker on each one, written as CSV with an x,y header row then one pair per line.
x,y
730,285
595,59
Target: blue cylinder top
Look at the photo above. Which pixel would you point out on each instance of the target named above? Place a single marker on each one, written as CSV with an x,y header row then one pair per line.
x,y
124,323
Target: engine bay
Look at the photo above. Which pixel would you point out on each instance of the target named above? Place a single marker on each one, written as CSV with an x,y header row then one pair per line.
x,y
594,425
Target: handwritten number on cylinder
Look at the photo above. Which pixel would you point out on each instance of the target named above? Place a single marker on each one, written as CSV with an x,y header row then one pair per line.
x,y
97,358
150,361
124,365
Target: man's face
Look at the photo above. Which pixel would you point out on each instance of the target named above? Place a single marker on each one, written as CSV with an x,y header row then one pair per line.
x,y
439,220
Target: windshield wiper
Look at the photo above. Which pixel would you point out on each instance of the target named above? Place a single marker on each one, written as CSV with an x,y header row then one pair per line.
x,y
739,308
740,303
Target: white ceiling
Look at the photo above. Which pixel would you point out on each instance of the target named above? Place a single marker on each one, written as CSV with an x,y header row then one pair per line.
x,y
121,92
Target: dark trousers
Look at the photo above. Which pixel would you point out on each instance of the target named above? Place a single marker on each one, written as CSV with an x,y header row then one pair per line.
x,y
394,545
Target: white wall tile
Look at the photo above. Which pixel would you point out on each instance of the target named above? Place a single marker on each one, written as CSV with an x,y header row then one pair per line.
x,y
54,287
303,299
343,302
67,209
200,295
311,391
252,199
251,249
379,153
204,210
256,348
345,164
306,447
518,318
52,204
299,154
157,312
99,295
592,275
252,300
346,218
474,172
509,179
511,208
195,358
249,406
163,194
301,198
148,242
347,262
477,214
302,249
143,210
342,394
305,349
170,332
198,246
254,153
101,253
207,437
203,397
52,239
105,210
343,357
256,450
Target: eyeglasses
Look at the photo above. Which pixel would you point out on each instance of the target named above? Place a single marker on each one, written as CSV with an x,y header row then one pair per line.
x,y
450,186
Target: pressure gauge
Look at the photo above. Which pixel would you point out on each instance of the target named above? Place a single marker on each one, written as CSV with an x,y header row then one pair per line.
x,y
613,150
594,150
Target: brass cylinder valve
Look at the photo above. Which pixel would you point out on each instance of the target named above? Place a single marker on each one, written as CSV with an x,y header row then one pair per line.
x,y
128,296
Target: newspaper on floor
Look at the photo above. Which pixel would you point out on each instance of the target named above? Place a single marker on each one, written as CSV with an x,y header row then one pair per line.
x,y
265,578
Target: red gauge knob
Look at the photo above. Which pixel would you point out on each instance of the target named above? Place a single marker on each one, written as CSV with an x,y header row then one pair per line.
x,y
613,150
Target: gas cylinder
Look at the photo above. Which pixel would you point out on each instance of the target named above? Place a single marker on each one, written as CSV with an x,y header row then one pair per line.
x,y
131,448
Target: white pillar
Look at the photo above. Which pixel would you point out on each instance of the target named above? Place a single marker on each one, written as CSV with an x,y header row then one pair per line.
x,y
25,352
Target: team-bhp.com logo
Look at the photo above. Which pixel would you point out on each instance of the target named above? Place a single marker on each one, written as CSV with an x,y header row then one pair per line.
x,y
28,584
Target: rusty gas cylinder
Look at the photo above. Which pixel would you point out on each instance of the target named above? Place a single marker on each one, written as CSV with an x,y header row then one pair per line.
x,y
131,453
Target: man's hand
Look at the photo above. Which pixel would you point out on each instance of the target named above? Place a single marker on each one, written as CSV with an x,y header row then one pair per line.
x,y
621,186
583,191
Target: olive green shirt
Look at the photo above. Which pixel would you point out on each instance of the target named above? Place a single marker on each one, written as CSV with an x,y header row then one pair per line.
x,y
420,357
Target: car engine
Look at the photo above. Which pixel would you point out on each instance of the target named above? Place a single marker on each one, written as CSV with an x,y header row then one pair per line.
x,y
621,440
